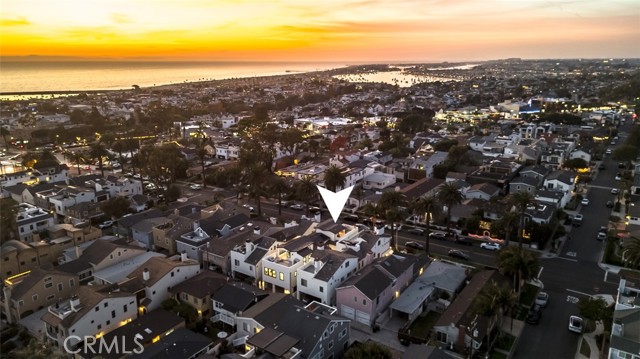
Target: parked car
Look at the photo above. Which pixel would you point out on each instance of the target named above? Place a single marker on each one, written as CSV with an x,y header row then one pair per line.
x,y
602,233
105,224
609,204
437,235
577,220
534,315
297,206
456,253
196,187
614,191
542,299
608,151
576,324
351,218
584,202
415,245
490,246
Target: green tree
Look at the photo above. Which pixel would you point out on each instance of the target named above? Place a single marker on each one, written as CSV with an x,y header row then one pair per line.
x,y
427,207
626,153
518,264
393,203
202,154
496,300
99,152
115,207
334,178
631,252
507,221
373,211
173,192
575,164
279,188
306,191
8,215
4,133
449,196
522,200
368,350
594,309
255,179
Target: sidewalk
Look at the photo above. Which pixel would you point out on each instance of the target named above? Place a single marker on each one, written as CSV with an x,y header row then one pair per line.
x,y
590,339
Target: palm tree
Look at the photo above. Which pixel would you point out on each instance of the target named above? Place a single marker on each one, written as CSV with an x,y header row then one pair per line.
x,y
518,264
78,157
201,153
255,179
306,191
496,299
278,187
372,211
522,200
449,195
631,252
391,203
4,133
99,151
427,206
507,221
334,178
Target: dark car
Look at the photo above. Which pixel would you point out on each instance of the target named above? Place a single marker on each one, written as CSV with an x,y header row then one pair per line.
x,y
351,218
534,315
609,204
456,253
416,231
415,245
437,235
464,241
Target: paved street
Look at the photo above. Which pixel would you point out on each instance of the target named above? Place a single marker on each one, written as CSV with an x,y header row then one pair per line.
x,y
573,275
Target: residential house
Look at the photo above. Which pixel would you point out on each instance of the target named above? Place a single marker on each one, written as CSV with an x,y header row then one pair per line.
x,y
153,279
62,197
540,213
233,299
148,329
552,197
142,232
560,180
625,331
422,167
32,219
537,171
180,343
246,259
319,279
99,255
581,153
367,294
90,311
378,181
195,242
19,257
166,234
426,187
280,333
32,290
118,272
460,327
484,191
523,184
280,267
198,290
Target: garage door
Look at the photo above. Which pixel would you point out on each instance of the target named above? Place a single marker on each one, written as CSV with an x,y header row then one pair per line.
x,y
362,317
347,312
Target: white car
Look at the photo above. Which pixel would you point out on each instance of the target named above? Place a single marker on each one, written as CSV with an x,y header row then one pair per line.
x,y
608,151
614,191
105,224
490,246
585,202
195,187
296,206
576,324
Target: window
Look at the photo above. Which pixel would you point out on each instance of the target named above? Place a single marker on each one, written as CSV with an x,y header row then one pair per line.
x,y
50,297
124,308
303,282
281,276
245,327
236,262
99,326
321,289
97,308
106,304
71,282
330,345
34,297
113,314
364,302
172,274
33,259
60,287
154,292
343,333
346,264
355,299
441,337
270,272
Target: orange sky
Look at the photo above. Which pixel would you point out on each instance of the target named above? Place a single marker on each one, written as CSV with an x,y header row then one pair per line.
x,y
328,30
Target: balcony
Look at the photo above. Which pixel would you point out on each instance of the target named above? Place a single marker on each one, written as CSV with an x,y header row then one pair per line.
x,y
223,318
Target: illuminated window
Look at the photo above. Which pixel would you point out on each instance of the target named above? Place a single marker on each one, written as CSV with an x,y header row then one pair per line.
x,y
281,276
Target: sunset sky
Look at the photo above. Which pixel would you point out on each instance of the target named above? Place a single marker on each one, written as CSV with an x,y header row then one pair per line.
x,y
327,30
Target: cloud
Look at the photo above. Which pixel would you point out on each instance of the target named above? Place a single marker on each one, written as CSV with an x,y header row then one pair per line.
x,y
21,21
120,18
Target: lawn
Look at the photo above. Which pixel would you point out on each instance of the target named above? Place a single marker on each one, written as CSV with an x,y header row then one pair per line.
x,y
422,326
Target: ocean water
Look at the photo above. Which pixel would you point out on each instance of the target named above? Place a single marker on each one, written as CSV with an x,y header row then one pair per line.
x,y
75,76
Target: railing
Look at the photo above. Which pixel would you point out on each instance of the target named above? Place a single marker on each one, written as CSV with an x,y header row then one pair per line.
x,y
223,318
240,341
249,354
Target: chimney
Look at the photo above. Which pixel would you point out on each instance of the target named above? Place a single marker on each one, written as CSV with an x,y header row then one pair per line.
x,y
183,256
317,217
193,209
248,246
75,303
321,246
145,274
317,265
78,252
176,211
256,230
461,344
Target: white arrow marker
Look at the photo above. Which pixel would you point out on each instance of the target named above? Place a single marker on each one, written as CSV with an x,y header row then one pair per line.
x,y
335,201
